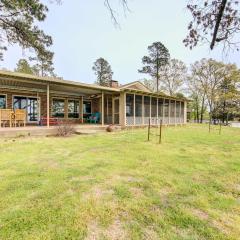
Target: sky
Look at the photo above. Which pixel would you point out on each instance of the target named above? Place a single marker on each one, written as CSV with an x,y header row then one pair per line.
x,y
83,31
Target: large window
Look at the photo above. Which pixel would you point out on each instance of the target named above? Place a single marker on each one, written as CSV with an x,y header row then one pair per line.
x,y
138,106
73,108
160,107
58,106
129,105
2,101
154,107
30,104
166,108
87,107
146,107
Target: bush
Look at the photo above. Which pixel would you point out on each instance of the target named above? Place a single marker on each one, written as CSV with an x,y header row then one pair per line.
x,y
65,129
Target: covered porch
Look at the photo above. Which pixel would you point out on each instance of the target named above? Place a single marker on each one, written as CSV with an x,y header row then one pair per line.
x,y
46,99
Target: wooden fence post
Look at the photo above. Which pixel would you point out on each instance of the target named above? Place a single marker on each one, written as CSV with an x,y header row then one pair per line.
x,y
160,132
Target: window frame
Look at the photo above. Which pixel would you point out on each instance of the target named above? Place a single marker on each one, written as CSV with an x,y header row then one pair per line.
x,y
74,100
83,106
3,94
27,97
58,98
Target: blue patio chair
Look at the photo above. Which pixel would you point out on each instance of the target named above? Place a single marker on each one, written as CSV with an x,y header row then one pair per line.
x,y
94,118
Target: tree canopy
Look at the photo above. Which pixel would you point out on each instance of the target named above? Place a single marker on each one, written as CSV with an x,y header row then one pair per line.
x,y
18,24
103,71
158,57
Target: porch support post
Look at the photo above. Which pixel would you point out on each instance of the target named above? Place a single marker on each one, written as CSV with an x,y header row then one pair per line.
x,y
175,113
134,110
180,113
185,112
81,109
169,111
102,108
48,106
163,116
142,110
150,110
122,109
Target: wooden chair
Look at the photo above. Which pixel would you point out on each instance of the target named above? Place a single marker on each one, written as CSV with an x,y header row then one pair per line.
x,y
5,117
20,117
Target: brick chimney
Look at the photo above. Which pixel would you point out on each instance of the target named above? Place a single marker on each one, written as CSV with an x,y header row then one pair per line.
x,y
114,84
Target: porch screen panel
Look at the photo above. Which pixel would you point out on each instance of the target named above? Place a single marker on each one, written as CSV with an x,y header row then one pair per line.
x,y
58,106
73,108
178,120
166,111
130,109
182,112
154,110
146,109
108,109
172,112
2,101
160,108
138,110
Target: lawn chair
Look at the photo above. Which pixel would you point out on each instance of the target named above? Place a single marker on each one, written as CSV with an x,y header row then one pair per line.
x,y
5,117
94,118
20,117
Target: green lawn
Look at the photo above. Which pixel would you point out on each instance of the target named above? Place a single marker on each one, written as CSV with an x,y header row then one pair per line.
x,y
119,186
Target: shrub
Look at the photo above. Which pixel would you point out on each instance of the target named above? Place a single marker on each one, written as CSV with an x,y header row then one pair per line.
x,y
65,129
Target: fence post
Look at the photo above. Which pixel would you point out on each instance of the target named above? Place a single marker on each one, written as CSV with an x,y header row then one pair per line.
x,y
149,125
160,132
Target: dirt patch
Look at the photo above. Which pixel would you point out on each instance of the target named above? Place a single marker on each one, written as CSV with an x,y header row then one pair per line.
x,y
114,232
136,192
150,234
199,213
98,193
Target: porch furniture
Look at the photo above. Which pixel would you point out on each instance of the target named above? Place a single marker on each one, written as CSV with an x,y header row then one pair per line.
x,y
52,121
94,118
19,117
6,116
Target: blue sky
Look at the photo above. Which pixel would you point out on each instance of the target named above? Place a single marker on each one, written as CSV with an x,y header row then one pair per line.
x,y
83,31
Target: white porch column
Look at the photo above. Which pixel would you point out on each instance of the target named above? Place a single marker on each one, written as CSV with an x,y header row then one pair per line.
x,y
102,108
163,115
48,105
134,110
185,112
143,110
169,111
175,113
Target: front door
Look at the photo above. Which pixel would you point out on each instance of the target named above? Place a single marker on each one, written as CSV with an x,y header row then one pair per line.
x,y
116,110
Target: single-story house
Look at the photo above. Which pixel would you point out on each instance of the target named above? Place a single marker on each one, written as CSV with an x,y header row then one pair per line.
x,y
125,105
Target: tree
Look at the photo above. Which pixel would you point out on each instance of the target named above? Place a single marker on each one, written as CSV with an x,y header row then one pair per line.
x,y
44,65
158,58
173,76
18,25
103,71
23,66
214,22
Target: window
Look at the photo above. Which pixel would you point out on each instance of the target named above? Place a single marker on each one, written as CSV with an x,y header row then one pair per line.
x,y
87,107
138,106
30,104
2,101
129,105
58,108
154,107
146,107
73,108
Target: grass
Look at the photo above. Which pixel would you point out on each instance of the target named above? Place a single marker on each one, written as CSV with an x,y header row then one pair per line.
x,y
119,186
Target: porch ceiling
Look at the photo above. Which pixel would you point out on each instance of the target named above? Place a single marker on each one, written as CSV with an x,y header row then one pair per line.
x,y
55,88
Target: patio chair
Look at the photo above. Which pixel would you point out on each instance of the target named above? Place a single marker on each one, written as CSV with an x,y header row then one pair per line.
x,y
94,118
6,117
20,117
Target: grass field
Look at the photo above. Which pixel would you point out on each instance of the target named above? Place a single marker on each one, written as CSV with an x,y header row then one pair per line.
x,y
119,186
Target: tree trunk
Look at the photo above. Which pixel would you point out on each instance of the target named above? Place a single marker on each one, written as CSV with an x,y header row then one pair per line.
x,y
202,108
